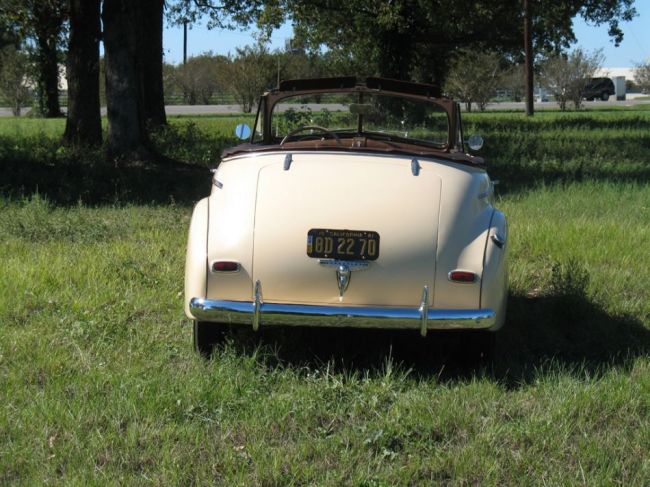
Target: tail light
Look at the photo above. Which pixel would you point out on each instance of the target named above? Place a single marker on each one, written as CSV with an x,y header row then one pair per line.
x,y
462,276
225,266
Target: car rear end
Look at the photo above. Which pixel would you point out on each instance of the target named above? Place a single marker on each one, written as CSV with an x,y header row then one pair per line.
x,y
349,239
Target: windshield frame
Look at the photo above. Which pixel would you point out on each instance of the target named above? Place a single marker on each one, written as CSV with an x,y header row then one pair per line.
x,y
418,92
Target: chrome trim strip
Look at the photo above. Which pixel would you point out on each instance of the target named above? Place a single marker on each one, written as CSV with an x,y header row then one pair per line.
x,y
353,265
415,167
257,305
424,311
498,240
215,181
287,161
279,314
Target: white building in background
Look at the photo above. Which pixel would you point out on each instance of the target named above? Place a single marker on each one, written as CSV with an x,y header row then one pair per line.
x,y
628,73
619,76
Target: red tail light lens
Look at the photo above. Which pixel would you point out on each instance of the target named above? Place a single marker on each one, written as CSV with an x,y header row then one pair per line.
x,y
225,266
462,276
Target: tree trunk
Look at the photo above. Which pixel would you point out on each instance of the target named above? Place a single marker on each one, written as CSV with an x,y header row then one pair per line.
x,y
48,78
150,60
126,124
83,124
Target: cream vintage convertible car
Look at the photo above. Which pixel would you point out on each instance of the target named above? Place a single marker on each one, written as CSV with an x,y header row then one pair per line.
x,y
352,204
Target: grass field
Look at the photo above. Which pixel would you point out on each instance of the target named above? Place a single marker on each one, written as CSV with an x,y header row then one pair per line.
x,y
100,386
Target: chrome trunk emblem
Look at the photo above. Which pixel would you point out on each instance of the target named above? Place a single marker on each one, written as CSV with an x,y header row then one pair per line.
x,y
344,270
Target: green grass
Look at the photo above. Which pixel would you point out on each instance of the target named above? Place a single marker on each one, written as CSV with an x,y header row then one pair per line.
x,y
100,386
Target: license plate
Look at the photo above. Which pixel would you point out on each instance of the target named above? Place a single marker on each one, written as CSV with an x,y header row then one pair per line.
x,y
342,244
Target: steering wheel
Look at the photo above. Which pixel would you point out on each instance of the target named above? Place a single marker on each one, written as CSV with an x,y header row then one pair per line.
x,y
311,127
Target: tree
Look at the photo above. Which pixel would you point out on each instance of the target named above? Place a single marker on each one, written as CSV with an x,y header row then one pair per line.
x,y
227,14
149,42
200,77
642,76
83,122
9,35
249,73
474,77
566,76
126,124
134,67
417,39
48,17
14,77
133,73
41,23
512,80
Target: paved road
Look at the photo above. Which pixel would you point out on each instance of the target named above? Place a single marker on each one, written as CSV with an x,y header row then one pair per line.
x,y
170,109
230,109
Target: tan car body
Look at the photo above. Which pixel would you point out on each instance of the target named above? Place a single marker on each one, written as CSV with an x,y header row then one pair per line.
x,y
433,220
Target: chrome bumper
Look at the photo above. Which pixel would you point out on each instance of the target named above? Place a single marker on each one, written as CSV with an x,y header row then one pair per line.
x,y
256,313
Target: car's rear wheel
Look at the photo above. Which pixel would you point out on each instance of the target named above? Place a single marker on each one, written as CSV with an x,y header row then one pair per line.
x,y
605,96
207,336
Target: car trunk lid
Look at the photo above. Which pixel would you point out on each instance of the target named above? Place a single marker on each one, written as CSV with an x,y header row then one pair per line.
x,y
393,196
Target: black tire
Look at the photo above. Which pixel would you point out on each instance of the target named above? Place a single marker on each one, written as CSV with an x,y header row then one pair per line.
x,y
207,336
605,96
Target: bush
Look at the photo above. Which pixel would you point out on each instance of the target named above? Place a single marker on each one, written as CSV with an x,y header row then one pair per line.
x,y
566,77
642,76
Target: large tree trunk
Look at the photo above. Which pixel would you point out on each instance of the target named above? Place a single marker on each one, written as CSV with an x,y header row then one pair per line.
x,y
150,60
83,124
47,58
126,124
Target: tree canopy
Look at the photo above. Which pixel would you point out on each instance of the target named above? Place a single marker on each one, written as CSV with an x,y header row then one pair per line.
x,y
417,39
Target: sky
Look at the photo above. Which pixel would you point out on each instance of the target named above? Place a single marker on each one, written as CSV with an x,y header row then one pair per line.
x,y
634,49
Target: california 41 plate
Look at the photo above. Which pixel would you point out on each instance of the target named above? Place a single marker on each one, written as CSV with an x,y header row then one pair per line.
x,y
342,244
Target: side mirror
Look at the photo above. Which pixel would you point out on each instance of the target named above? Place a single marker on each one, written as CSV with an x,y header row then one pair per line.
x,y
475,142
242,131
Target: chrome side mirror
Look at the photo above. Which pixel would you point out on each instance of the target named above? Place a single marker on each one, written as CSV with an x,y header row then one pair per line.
x,y
242,131
475,142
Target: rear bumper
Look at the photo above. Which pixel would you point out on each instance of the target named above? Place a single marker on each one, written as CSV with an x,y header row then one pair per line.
x,y
256,313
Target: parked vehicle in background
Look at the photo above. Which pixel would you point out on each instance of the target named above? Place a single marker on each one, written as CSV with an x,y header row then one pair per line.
x,y
599,89
352,204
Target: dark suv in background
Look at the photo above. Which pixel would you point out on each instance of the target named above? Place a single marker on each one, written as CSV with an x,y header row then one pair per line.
x,y
599,88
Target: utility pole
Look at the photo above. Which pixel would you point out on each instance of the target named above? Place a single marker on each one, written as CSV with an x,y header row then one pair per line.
x,y
184,41
528,47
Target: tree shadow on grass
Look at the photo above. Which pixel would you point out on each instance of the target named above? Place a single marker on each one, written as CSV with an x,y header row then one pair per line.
x,y
96,182
515,180
87,176
563,332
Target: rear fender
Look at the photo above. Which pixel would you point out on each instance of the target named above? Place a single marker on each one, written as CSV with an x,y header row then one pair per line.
x,y
196,263
494,285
